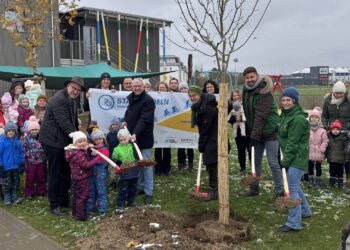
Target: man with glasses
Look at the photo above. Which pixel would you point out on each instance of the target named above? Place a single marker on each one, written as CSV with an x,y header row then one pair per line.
x,y
61,119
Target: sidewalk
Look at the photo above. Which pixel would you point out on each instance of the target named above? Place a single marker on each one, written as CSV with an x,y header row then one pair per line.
x,y
16,234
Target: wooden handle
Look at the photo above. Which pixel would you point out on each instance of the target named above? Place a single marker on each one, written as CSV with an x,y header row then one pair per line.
x,y
138,151
106,159
198,184
285,182
253,162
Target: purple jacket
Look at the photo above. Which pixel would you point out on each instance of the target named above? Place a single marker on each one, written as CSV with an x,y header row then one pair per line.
x,y
80,163
318,144
23,115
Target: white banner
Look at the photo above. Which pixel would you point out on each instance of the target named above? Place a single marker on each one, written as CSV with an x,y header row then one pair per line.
x,y
172,117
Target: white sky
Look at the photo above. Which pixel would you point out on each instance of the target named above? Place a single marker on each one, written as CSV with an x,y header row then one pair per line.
x,y
294,33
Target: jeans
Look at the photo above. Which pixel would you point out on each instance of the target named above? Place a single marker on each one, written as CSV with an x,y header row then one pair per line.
x,y
10,180
272,158
294,214
127,191
146,175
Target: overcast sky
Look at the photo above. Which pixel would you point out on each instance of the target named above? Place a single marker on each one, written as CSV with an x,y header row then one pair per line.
x,y
294,33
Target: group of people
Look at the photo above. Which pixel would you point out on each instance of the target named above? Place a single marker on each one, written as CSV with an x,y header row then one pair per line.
x,y
76,162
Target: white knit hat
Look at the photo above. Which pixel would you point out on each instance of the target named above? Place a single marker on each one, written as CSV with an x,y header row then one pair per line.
x,y
28,83
183,85
77,135
339,87
124,133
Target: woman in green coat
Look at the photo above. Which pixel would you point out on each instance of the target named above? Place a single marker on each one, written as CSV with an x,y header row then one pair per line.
x,y
293,137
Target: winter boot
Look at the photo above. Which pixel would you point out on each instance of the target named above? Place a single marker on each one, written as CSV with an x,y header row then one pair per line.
x,y
253,190
305,177
212,194
340,182
332,181
318,182
181,166
190,166
311,181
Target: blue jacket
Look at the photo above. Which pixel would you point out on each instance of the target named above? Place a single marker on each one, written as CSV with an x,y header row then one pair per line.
x,y
11,153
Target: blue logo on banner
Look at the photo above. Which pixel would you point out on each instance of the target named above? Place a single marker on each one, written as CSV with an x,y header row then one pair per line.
x,y
188,104
106,102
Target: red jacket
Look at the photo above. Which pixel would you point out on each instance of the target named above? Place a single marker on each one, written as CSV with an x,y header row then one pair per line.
x,y
80,163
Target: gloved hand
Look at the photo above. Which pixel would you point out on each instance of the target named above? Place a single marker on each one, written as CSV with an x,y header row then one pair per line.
x,y
201,148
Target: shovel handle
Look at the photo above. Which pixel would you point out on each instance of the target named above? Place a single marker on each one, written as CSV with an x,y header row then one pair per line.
x,y
198,184
253,162
285,183
112,163
138,151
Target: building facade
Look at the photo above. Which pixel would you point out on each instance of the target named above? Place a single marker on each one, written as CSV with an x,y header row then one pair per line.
x,y
173,63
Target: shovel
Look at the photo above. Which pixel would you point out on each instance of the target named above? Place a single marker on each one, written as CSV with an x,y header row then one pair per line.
x,y
286,202
250,180
112,163
197,194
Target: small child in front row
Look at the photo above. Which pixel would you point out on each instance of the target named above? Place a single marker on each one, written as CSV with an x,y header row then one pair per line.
x,y
336,154
98,180
80,166
128,180
238,113
35,161
318,145
11,157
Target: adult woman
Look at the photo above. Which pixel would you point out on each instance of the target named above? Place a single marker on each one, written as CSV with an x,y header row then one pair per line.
x,y
293,137
210,87
16,89
162,155
242,142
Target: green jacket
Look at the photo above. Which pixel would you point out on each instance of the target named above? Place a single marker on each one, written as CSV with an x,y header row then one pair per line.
x,y
124,153
293,137
260,110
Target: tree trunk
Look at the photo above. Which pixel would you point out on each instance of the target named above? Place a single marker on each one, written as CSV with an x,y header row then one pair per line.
x,y
224,206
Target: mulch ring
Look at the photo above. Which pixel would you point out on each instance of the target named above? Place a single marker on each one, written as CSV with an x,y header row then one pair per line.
x,y
152,229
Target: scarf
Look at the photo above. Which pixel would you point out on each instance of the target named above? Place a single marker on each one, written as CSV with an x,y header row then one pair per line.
x,y
256,84
314,126
194,108
336,101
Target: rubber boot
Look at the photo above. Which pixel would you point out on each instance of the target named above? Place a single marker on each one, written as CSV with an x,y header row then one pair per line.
x,y
340,182
253,190
318,181
311,181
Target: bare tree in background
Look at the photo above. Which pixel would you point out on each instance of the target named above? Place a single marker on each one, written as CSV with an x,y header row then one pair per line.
x,y
216,28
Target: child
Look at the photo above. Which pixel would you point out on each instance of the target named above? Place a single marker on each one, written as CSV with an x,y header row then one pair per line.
x,y
238,113
40,107
335,154
24,112
80,165
35,183
97,181
128,180
318,144
92,126
112,136
28,85
11,157
9,110
33,94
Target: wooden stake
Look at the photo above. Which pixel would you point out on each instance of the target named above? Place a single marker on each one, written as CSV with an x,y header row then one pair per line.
x,y
224,206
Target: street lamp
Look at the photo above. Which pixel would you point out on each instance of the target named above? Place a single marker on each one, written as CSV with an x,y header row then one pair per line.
x,y
235,60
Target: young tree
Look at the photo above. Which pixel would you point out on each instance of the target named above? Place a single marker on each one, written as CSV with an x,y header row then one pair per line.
x,y
27,22
218,29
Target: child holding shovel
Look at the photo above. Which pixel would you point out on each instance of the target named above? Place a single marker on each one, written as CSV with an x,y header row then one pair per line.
x,y
293,137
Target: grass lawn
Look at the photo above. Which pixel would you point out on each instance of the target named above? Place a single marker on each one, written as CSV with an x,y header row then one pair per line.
x,y
322,231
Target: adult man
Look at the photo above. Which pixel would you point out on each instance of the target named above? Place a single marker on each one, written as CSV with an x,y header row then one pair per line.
x,y
127,84
61,119
205,116
174,85
139,118
262,120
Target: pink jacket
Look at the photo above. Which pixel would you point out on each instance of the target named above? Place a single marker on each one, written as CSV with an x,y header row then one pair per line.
x,y
318,144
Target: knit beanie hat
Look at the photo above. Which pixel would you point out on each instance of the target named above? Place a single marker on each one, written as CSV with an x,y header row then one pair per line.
x,y
195,89
97,134
124,133
28,83
336,124
33,123
105,75
339,87
21,98
10,126
315,112
183,85
6,98
292,93
116,120
44,97
77,135
236,106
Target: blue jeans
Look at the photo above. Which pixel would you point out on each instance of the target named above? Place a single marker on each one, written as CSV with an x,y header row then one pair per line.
x,y
10,184
294,214
272,158
146,175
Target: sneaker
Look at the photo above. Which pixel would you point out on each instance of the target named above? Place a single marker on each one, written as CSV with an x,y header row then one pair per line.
x,y
120,210
17,201
133,204
148,200
286,229
7,203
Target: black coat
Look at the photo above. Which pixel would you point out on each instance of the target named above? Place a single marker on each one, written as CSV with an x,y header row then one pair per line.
x,y
61,119
331,112
139,117
207,121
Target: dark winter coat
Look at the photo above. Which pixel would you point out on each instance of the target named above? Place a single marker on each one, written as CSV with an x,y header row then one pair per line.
x,y
33,151
112,140
336,148
261,111
79,162
293,137
11,153
207,122
61,119
23,115
331,112
139,117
